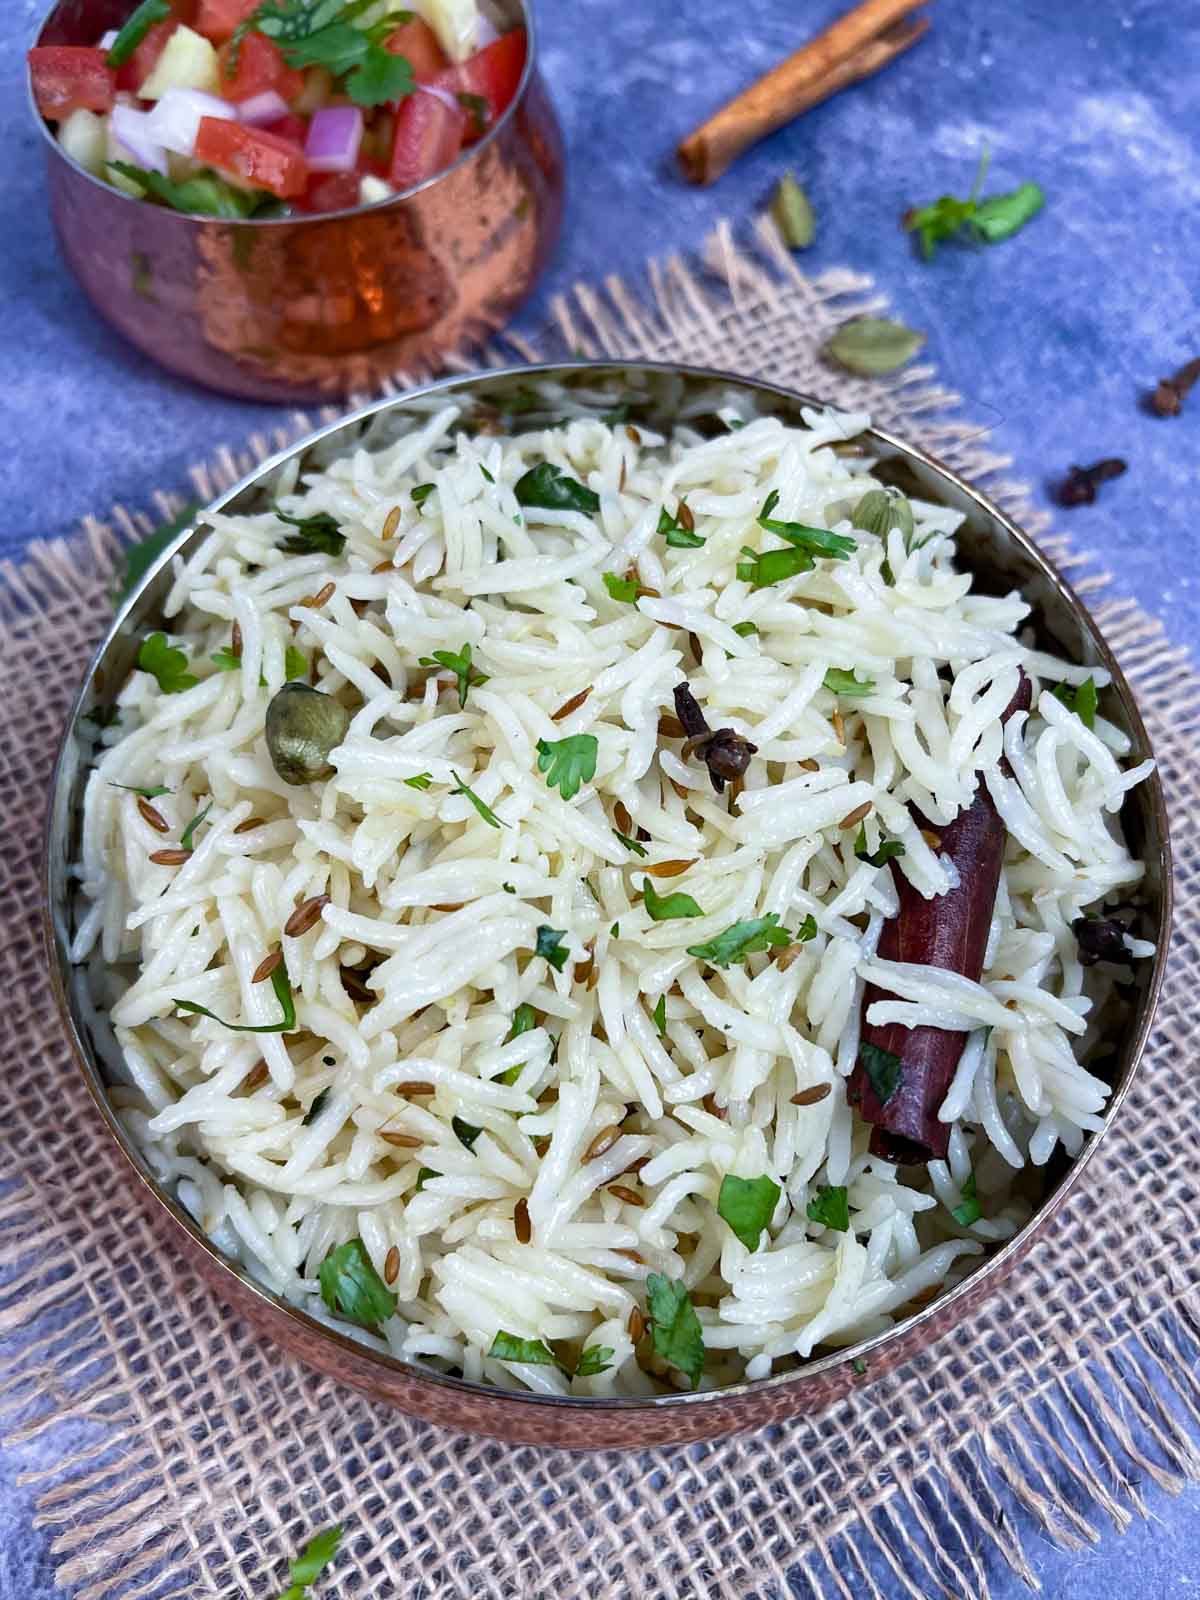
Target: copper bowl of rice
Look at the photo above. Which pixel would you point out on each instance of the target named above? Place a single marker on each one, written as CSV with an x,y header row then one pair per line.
x,y
522,1264
314,308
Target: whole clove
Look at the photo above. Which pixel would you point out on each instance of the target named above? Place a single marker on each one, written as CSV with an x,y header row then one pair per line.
x,y
1167,400
1081,484
1100,939
725,753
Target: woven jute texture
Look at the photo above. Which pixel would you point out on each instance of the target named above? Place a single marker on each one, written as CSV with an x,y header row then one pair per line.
x,y
174,1454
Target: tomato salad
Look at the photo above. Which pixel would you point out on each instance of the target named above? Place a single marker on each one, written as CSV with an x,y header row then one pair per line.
x,y
257,108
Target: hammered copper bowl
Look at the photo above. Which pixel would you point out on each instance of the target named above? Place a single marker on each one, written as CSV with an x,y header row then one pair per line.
x,y
1002,557
304,309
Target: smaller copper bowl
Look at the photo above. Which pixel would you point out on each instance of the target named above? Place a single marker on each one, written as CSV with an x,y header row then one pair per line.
x,y
304,309
1001,558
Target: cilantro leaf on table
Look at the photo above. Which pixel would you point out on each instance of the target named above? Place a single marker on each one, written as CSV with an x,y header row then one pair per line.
x,y
312,1561
987,221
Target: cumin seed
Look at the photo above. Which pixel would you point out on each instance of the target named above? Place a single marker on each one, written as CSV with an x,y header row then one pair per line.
x,y
522,1226
153,816
814,1095
630,1255
839,725
391,1266
326,592
632,434
266,967
622,819
170,858
630,1196
604,1140
573,704
413,1088
809,765
932,839
383,566
457,907
684,517
714,1110
256,1077
621,479
668,869
635,1325
390,523
250,824
235,641
402,1141
857,815
306,915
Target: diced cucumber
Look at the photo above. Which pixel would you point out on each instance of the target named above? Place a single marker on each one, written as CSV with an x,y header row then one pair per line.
x,y
84,137
455,22
188,61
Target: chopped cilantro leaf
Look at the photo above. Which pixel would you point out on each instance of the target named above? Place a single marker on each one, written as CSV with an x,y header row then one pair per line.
x,y
674,1326
568,763
550,945
169,666
747,1205
742,939
664,908
830,1207
351,1287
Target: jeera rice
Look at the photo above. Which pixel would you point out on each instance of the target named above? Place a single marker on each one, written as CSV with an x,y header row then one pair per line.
x,y
550,1083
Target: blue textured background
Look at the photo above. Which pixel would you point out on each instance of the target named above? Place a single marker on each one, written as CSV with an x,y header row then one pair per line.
x,y
1053,337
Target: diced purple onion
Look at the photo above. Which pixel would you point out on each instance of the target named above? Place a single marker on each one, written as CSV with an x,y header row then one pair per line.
x,y
262,108
131,130
334,136
443,95
175,119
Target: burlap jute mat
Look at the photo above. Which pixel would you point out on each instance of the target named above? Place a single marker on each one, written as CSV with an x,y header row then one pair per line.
x,y
173,1454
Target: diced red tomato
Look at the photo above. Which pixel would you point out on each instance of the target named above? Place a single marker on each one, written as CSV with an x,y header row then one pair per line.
x,y
429,135
260,66
145,58
417,41
253,156
70,78
492,74
293,128
218,19
330,191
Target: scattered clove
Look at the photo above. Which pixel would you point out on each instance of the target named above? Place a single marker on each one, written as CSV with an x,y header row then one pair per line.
x,y
1100,939
1167,400
1080,486
725,753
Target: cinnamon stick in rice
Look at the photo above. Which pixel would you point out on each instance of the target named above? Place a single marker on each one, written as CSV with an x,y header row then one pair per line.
x,y
949,932
858,44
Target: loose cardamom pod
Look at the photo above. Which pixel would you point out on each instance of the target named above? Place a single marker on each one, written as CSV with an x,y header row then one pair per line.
x,y
881,510
303,726
873,346
793,213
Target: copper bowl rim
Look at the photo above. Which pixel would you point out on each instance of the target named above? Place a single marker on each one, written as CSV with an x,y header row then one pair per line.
x,y
302,219
992,1267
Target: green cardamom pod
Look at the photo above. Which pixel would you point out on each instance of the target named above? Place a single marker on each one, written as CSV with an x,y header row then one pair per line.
x,y
873,346
881,510
303,726
793,213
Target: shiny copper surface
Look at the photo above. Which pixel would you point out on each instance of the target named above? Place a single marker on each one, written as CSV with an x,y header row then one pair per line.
x,y
1002,557
316,308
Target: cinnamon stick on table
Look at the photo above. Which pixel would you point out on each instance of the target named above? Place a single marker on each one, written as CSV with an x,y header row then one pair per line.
x,y
853,47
